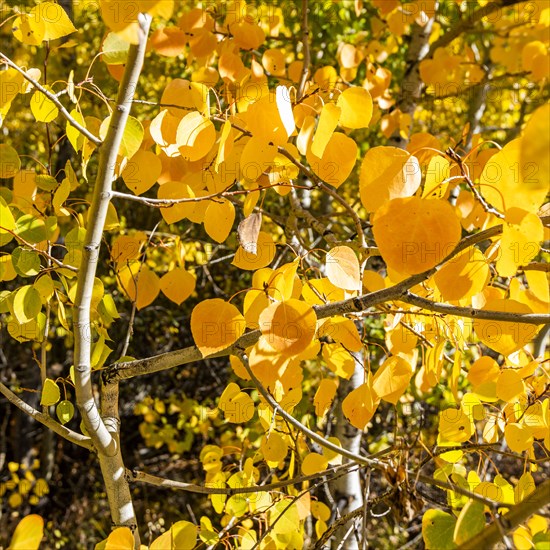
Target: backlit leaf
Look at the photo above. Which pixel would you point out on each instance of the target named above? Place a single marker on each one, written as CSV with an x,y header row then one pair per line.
x,y
50,393
387,173
120,538
216,325
325,128
131,137
392,378
470,522
263,257
26,304
414,234
360,405
356,108
64,411
314,463
43,108
289,326
195,136
342,268
142,171
10,163
324,396
274,447
178,284
518,437
28,533
218,219
237,406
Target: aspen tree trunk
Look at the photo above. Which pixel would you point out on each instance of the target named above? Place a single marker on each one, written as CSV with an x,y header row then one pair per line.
x,y
104,427
347,490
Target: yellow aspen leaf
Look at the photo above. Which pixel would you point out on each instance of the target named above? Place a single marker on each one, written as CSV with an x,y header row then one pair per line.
x,y
535,144
337,161
50,393
174,190
225,145
314,463
236,405
26,304
454,426
356,108
305,136
264,120
114,50
284,106
142,171
127,247
56,21
231,67
131,137
326,77
505,337
120,538
401,340
320,528
273,61
7,223
238,367
538,284
274,447
342,268
360,405
319,510
215,325
7,272
145,290
342,330
163,130
525,487
247,35
73,135
257,156
289,326
10,164
324,396
321,291
263,257
178,284
328,121
339,360
518,437
195,136
43,108
60,196
415,234
510,385
29,30
392,378
463,276
522,234
218,219
28,533
484,369
505,182
168,41
11,84
439,170
255,301
387,173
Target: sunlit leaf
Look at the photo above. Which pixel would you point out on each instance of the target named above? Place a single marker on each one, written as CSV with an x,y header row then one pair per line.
x,y
50,393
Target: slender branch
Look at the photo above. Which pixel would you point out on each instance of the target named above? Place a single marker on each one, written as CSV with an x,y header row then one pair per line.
x,y
306,50
355,457
519,513
46,420
53,98
464,25
191,354
101,436
137,475
473,313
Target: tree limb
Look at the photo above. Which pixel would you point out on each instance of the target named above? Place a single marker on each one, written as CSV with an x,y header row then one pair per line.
x,y
53,98
509,521
46,420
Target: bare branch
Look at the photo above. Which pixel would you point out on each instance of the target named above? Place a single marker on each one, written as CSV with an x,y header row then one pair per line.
x,y
53,98
46,420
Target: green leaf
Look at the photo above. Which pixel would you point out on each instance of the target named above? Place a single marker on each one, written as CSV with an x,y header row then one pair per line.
x,y
26,304
64,411
50,393
25,262
438,529
115,49
30,228
470,521
131,138
10,163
